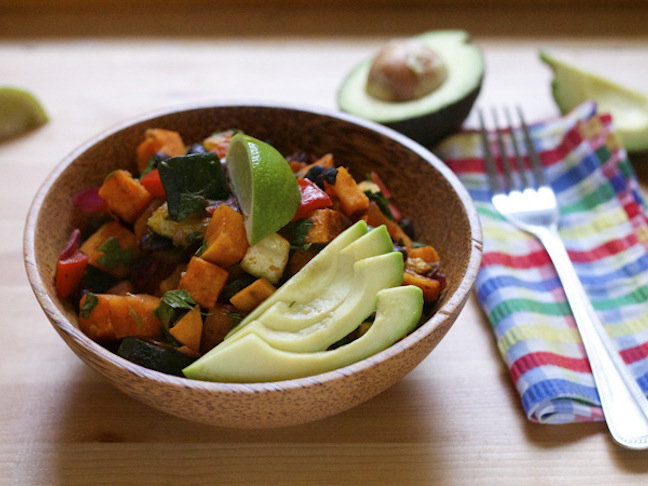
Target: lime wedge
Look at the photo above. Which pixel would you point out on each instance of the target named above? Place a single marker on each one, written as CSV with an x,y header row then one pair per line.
x,y
629,109
19,111
264,185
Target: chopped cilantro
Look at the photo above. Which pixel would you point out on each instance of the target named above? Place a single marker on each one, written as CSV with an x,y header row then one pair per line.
x,y
298,231
381,201
236,317
91,301
172,303
114,255
135,317
418,244
202,248
150,165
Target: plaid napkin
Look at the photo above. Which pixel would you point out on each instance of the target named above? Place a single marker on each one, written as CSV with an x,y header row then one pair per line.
x,y
604,227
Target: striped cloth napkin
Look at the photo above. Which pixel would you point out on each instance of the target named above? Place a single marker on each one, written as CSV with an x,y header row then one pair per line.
x,y
605,229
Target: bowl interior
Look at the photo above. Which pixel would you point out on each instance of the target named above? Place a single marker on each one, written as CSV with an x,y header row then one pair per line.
x,y
423,189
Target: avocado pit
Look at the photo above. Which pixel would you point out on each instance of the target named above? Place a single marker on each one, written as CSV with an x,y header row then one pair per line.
x,y
405,70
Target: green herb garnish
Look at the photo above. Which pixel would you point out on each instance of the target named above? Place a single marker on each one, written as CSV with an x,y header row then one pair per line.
x,y
114,255
202,248
135,317
382,202
189,181
298,231
152,164
172,301
90,302
235,316
173,305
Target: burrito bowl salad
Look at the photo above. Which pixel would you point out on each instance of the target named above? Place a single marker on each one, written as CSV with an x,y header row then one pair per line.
x,y
226,261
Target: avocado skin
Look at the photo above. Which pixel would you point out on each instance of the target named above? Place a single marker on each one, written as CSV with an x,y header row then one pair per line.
x,y
430,129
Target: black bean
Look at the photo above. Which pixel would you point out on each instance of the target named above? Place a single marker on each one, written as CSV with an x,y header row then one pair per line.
x,y
407,226
197,148
314,173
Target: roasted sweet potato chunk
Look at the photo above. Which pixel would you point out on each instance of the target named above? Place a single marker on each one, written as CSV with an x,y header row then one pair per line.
x,y
125,196
113,317
204,281
158,140
226,238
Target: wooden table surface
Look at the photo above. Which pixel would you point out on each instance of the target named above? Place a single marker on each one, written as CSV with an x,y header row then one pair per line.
x,y
456,419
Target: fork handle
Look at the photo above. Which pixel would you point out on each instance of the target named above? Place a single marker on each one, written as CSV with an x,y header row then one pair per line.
x,y
624,405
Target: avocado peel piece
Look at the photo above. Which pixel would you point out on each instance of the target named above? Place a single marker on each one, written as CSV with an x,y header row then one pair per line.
x,y
573,85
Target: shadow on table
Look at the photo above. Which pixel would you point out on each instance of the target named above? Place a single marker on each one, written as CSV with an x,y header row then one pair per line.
x,y
98,417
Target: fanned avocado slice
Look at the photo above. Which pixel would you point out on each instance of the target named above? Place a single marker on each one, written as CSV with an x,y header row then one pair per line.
x,y
429,118
250,359
310,281
299,311
370,276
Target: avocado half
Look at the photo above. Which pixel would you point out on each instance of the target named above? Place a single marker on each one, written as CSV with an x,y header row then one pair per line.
x,y
571,86
432,117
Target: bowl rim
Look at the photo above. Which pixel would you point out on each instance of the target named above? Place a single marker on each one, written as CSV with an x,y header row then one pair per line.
x,y
62,324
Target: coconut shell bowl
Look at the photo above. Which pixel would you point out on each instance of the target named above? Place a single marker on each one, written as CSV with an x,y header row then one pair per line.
x,y
422,187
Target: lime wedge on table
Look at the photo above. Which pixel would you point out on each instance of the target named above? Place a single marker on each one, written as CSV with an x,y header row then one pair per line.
x,y
629,109
19,111
264,185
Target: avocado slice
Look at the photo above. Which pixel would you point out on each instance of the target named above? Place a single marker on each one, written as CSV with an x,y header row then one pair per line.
x,y
299,311
251,359
370,276
304,284
572,86
433,116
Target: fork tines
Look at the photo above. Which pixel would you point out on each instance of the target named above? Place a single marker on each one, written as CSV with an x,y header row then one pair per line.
x,y
517,178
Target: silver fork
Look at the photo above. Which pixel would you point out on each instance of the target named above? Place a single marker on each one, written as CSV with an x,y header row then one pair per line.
x,y
532,207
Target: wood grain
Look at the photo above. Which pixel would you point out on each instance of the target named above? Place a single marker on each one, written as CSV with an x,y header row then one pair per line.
x,y
455,419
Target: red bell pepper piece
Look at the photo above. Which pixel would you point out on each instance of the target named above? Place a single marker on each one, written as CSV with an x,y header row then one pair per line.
x,y
312,197
375,178
153,183
70,267
69,273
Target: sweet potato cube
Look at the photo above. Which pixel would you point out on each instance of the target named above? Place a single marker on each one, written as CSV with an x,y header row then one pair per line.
x,y
251,296
430,287
116,316
158,140
111,248
188,330
226,238
375,217
125,196
425,253
327,224
97,325
352,199
218,323
204,281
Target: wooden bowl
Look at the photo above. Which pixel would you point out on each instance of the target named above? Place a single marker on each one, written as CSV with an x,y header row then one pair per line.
x,y
423,188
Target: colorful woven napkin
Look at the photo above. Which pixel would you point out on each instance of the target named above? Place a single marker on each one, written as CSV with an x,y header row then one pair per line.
x,y
604,227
